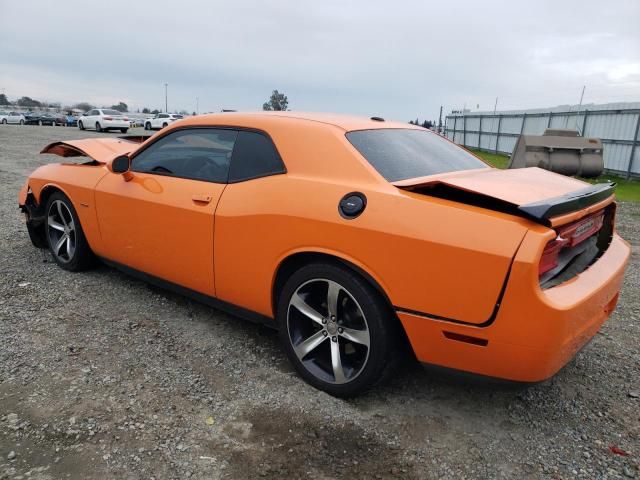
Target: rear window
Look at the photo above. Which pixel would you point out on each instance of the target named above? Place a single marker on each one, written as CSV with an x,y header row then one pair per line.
x,y
399,154
176,116
111,112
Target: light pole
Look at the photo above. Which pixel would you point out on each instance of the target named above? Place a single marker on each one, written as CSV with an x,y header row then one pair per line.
x,y
166,108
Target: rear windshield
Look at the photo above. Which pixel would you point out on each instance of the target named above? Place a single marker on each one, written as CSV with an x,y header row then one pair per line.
x,y
111,112
176,116
399,154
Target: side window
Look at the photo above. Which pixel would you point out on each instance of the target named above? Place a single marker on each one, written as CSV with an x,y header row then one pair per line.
x,y
163,115
198,154
254,155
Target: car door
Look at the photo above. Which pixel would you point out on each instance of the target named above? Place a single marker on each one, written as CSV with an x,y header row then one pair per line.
x,y
161,220
247,223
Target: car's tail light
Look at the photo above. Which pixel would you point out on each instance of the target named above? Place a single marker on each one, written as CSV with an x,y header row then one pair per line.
x,y
125,119
108,118
549,259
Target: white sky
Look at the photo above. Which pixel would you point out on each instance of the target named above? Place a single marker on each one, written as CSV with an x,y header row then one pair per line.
x,y
398,59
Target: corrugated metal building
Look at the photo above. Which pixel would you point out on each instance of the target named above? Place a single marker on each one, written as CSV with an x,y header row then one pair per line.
x,y
617,124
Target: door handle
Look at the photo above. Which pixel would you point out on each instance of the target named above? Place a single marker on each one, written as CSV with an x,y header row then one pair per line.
x,y
201,198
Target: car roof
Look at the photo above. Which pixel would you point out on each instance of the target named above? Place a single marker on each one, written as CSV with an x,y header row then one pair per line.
x,y
344,122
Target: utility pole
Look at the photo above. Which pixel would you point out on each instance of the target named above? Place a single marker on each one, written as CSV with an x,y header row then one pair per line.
x,y
495,106
440,121
166,108
580,106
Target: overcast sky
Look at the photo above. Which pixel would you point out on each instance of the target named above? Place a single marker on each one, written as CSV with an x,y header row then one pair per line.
x,y
398,59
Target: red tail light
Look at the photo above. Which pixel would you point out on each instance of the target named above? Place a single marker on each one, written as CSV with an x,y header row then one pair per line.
x,y
108,118
125,119
549,258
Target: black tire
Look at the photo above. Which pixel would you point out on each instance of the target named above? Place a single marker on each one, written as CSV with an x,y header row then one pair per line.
x,y
147,126
4,121
124,130
371,312
98,127
80,125
164,125
21,122
79,257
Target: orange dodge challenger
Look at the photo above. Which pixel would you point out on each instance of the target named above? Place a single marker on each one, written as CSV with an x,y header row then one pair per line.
x,y
349,235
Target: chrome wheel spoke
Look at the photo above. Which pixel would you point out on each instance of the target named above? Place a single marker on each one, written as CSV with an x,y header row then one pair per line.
x,y
59,206
336,363
59,244
356,336
55,225
69,248
308,345
306,309
333,291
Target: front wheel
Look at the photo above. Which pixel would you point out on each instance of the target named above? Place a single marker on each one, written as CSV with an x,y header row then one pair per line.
x,y
4,121
147,126
80,126
65,237
165,125
336,329
21,122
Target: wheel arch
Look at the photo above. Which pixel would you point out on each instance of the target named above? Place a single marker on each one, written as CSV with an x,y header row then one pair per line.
x,y
297,260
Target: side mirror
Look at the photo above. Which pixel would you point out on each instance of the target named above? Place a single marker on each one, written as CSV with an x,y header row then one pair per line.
x,y
119,164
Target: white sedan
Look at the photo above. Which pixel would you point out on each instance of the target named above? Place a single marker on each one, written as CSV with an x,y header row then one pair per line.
x,y
11,117
103,120
161,120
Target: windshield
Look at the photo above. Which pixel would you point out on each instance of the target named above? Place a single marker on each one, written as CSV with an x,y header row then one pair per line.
x,y
399,154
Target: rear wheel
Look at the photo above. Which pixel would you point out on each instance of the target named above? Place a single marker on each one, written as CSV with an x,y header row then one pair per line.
x,y
124,130
4,121
164,125
21,122
98,127
64,234
147,126
336,329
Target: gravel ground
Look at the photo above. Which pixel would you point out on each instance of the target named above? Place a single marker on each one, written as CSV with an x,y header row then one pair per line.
x,y
102,376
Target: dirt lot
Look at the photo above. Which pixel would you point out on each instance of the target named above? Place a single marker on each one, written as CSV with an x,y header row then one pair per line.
x,y
102,376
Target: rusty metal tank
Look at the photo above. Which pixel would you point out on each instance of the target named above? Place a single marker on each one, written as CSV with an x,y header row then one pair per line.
x,y
561,151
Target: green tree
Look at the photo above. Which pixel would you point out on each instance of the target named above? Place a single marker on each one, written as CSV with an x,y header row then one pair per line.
x,y
28,102
155,112
277,102
3,99
84,106
121,107
146,110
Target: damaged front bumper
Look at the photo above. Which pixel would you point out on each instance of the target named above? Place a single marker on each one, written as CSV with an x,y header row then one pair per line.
x,y
34,216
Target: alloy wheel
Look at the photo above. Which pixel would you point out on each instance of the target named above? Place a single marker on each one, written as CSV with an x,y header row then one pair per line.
x,y
61,230
328,331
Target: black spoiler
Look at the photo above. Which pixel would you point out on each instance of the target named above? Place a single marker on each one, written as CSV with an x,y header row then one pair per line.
x,y
552,207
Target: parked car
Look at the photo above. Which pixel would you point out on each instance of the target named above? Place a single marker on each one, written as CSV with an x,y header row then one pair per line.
x,y
32,118
161,120
3,116
103,120
60,119
49,119
351,236
13,117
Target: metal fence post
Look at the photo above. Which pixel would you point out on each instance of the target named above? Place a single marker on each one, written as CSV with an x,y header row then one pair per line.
x,y
549,121
498,132
455,123
464,130
584,122
633,147
524,119
480,134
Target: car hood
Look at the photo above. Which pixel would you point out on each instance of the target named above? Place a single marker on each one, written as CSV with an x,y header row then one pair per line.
x,y
99,149
531,192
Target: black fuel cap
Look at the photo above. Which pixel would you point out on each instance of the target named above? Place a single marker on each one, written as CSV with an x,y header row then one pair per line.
x,y
352,205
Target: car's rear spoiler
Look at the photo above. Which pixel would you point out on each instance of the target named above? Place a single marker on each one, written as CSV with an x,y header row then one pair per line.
x,y
571,202
101,150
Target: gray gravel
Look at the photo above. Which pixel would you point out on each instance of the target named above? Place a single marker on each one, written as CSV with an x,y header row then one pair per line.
x,y
102,376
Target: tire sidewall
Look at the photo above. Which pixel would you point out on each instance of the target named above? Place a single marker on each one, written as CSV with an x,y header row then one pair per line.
x,y
379,321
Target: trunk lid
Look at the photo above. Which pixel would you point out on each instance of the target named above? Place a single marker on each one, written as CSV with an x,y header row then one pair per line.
x,y
533,193
99,149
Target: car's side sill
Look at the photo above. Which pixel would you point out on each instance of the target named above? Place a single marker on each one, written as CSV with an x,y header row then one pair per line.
x,y
197,296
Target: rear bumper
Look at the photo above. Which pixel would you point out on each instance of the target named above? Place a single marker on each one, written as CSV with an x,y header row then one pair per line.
x,y
115,124
536,332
